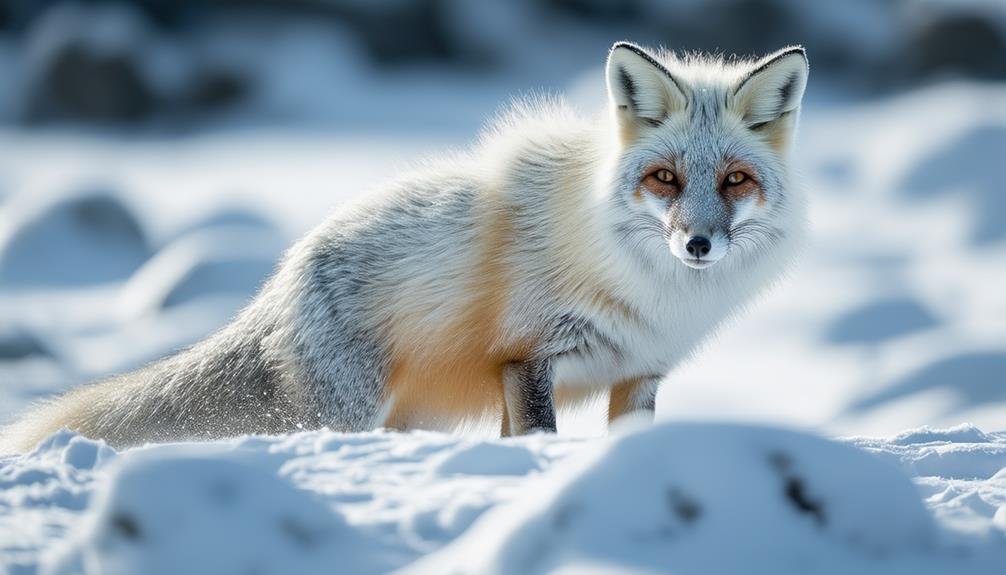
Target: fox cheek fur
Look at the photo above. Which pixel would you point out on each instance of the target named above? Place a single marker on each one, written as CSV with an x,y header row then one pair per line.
x,y
556,259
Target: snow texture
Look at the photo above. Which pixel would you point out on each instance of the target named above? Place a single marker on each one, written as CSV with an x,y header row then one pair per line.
x,y
678,497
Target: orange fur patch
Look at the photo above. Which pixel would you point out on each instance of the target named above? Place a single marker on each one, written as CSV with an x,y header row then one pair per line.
x,y
455,372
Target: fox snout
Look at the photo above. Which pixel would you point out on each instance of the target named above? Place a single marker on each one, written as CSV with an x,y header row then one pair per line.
x,y
698,250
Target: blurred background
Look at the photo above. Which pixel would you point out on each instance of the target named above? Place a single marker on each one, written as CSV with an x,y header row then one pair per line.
x,y
157,156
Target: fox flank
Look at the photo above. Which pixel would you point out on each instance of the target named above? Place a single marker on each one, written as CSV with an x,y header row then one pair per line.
x,y
556,259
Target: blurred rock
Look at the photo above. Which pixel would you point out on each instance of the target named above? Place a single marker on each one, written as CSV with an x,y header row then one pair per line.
x,y
597,9
82,238
216,88
967,44
400,31
752,26
17,342
85,63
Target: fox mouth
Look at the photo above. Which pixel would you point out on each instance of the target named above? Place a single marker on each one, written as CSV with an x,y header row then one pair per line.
x,y
698,264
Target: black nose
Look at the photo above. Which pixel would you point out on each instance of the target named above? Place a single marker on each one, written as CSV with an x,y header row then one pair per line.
x,y
699,246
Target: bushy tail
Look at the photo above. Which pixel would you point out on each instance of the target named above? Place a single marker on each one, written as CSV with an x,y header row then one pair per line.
x,y
84,410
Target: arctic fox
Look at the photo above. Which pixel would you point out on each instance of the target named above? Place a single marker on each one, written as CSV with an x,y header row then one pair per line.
x,y
557,259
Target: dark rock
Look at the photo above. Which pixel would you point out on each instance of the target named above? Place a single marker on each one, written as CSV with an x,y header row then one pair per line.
x,y
85,63
18,343
82,85
963,44
213,89
401,32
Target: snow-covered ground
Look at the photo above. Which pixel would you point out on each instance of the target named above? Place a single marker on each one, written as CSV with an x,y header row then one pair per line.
x,y
679,497
117,248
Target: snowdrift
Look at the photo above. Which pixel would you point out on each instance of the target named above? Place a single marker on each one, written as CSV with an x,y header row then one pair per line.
x,y
679,497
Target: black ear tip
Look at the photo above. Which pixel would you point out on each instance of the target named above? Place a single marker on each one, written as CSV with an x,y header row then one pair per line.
x,y
624,44
790,50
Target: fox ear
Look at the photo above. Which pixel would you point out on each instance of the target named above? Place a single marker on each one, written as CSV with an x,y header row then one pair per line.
x,y
642,92
773,88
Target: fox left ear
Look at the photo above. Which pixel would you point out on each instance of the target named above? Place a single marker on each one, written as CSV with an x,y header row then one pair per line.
x,y
773,88
642,91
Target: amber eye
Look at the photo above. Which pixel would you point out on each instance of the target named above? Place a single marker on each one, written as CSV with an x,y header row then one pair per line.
x,y
665,176
734,178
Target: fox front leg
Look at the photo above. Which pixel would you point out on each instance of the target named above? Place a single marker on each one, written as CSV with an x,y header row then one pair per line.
x,y
527,397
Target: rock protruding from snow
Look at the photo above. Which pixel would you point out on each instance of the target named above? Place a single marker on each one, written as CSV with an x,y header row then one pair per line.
x,y
84,62
82,238
17,342
704,498
181,510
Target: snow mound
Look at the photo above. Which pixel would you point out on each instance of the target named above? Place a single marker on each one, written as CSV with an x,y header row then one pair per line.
x,y
182,510
674,497
963,433
86,237
233,217
680,498
42,493
959,452
214,261
488,459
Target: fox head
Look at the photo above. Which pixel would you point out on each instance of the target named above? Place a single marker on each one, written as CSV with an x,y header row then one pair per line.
x,y
703,144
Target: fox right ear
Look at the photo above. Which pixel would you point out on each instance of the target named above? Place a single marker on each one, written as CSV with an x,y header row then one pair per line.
x,y
641,90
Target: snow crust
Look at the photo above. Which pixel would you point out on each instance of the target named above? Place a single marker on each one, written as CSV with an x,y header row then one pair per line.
x,y
674,497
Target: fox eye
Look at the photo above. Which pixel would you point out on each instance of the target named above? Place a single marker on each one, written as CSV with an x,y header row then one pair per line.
x,y
735,178
665,176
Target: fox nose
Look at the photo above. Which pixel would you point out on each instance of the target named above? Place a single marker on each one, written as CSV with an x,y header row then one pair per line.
x,y
699,246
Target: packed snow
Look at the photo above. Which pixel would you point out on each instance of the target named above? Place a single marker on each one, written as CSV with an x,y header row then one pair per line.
x,y
674,497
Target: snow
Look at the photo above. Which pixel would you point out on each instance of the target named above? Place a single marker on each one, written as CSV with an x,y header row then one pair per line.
x,y
223,258
86,236
673,497
191,511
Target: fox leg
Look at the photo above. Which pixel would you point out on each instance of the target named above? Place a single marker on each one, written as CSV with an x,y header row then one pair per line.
x,y
527,397
505,421
633,395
